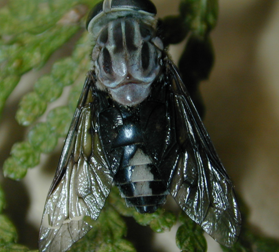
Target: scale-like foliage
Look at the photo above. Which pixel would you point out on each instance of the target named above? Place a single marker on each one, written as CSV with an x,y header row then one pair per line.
x,y
43,137
30,33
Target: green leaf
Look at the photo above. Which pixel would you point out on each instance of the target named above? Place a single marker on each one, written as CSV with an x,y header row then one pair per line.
x,y
26,154
37,47
74,96
113,226
8,232
200,15
13,169
30,33
31,107
124,245
7,84
80,54
143,219
119,246
48,89
189,236
190,241
13,248
88,242
59,120
2,200
23,157
108,229
60,72
42,137
163,222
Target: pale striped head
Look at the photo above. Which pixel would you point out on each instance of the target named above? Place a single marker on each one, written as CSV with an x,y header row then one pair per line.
x,y
127,53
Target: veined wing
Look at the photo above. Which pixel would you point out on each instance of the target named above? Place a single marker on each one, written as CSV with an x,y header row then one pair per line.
x,y
199,183
82,181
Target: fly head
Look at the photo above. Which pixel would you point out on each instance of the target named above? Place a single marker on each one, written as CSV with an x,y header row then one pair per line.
x,y
127,53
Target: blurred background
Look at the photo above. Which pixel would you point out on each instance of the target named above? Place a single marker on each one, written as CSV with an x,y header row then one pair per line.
x,y
242,118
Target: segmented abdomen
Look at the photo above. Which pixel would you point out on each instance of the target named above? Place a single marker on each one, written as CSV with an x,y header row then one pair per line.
x,y
139,181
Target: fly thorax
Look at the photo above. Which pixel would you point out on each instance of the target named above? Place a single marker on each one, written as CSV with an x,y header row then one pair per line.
x,y
126,58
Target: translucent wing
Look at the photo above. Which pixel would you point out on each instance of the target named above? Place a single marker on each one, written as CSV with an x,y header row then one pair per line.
x,y
199,182
82,181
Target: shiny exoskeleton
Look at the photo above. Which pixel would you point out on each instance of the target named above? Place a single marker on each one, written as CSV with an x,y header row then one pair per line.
x,y
135,126
137,141
127,62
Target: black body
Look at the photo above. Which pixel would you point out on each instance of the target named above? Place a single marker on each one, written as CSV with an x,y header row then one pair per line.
x,y
167,128
147,128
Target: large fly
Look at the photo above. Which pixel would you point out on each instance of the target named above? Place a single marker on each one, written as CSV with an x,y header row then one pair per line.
x,y
135,126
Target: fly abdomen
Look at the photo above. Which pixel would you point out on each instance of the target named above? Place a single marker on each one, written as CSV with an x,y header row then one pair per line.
x,y
139,182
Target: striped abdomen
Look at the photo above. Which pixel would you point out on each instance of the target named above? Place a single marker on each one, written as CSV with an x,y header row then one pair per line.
x,y
123,137
139,182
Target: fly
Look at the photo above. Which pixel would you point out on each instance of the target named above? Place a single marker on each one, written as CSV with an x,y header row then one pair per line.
x,y
135,126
